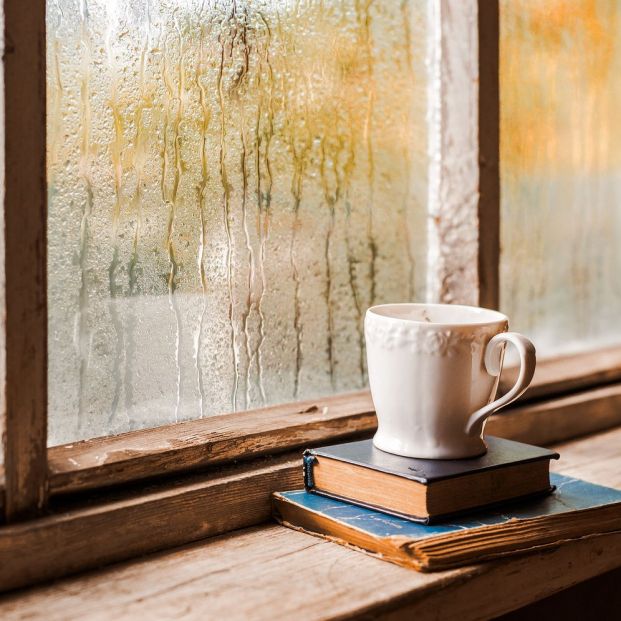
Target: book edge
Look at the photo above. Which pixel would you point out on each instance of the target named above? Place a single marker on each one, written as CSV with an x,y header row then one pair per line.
x,y
434,519
393,545
401,544
318,452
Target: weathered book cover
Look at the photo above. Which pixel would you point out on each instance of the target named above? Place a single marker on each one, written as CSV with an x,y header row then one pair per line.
x,y
576,509
501,454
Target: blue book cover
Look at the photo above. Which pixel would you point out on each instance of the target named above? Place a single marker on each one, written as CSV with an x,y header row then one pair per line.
x,y
576,509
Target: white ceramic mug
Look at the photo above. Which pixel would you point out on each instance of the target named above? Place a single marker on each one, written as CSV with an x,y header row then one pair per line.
x,y
433,371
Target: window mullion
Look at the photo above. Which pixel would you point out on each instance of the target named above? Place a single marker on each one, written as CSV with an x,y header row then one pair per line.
x,y
463,199
489,154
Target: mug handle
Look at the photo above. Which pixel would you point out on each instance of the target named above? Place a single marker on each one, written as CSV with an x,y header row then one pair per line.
x,y
493,364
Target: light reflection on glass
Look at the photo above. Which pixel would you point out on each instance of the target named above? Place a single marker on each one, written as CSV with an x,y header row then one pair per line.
x,y
560,84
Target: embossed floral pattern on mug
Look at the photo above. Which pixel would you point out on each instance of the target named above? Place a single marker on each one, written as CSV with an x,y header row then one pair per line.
x,y
423,339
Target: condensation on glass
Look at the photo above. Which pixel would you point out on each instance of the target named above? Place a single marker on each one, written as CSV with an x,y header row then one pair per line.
x,y
560,84
231,185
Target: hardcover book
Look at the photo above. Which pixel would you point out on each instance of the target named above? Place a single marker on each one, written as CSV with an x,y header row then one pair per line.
x,y
427,490
576,509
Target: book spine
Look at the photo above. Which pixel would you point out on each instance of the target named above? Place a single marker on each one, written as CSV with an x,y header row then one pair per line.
x,y
308,459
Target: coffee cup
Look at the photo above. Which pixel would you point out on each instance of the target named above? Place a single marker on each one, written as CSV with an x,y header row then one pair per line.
x,y
434,372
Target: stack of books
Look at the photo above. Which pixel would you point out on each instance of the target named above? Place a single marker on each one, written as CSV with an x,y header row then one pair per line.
x,y
438,514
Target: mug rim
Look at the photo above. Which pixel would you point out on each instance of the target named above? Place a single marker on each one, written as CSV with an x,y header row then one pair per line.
x,y
493,317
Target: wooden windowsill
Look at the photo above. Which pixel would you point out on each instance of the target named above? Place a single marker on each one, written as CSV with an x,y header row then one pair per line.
x,y
87,529
197,444
271,572
200,444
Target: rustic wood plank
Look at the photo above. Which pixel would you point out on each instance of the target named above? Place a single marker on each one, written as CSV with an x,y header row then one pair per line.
x,y
563,374
86,533
558,420
270,573
597,458
273,573
215,440
508,586
453,147
489,154
265,572
594,598
129,524
25,209
220,439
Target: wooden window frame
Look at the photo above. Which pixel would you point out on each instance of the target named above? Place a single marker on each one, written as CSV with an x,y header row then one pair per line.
x,y
215,474
25,212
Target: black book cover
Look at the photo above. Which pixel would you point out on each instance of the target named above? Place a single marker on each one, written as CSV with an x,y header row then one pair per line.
x,y
500,453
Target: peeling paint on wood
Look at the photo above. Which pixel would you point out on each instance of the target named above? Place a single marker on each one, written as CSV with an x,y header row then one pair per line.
x,y
453,153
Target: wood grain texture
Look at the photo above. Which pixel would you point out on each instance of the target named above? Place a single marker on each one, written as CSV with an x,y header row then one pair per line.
x,y
596,459
203,443
82,532
489,154
591,599
207,442
453,173
273,573
104,530
508,586
558,420
564,374
25,259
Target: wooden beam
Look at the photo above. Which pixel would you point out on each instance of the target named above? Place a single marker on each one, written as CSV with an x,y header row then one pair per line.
x,y
464,185
207,442
248,574
569,373
592,599
222,439
125,525
489,154
453,175
192,445
88,530
561,419
245,573
25,209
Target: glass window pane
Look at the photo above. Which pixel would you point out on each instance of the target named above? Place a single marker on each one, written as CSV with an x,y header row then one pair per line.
x,y
231,184
560,86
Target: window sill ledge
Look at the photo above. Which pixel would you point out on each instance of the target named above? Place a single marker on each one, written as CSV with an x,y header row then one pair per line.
x,y
271,571
123,522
